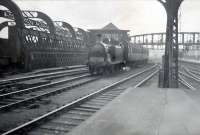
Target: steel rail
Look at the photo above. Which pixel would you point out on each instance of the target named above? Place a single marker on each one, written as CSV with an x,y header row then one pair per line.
x,y
189,76
76,102
14,84
38,76
2,96
193,69
192,74
195,72
185,83
58,90
146,79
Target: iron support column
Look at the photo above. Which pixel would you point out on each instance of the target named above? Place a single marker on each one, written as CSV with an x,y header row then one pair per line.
x,y
171,46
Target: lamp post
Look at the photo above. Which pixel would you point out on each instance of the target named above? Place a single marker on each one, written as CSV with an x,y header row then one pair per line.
x,y
171,46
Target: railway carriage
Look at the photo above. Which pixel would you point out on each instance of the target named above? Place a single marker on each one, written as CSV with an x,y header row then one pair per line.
x,y
137,54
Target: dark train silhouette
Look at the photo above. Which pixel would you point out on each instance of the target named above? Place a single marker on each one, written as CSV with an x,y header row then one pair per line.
x,y
105,57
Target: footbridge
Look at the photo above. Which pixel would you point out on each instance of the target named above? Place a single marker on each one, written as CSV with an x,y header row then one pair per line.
x,y
186,40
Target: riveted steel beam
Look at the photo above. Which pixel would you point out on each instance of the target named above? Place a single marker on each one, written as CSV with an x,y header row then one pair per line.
x,y
63,25
3,25
45,25
171,46
82,33
43,16
15,10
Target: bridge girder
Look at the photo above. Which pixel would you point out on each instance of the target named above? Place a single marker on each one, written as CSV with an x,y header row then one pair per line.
x,y
28,17
15,10
186,39
60,25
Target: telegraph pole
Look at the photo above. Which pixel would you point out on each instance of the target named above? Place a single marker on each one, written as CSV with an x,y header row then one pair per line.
x,y
171,46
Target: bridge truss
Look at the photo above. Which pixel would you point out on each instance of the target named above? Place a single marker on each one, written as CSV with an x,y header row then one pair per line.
x,y
157,41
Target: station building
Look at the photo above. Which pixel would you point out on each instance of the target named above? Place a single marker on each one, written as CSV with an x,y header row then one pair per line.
x,y
109,32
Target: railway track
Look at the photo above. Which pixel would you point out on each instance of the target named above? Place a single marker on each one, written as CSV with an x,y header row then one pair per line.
x,y
9,85
189,79
49,84
4,73
195,68
42,75
195,73
68,116
21,97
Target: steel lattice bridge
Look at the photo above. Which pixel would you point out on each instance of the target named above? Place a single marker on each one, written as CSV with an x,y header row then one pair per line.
x,y
186,40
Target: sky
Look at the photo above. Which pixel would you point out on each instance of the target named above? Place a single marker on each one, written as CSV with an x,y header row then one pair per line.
x,y
139,16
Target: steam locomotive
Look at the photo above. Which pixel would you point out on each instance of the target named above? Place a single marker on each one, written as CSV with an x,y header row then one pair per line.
x,y
107,57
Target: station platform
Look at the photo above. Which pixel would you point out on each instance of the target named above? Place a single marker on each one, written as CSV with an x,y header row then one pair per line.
x,y
145,111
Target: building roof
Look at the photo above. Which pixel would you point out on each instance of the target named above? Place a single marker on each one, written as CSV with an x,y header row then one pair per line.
x,y
110,26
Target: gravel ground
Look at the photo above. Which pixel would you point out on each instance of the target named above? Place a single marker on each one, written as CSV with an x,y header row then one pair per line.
x,y
23,114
